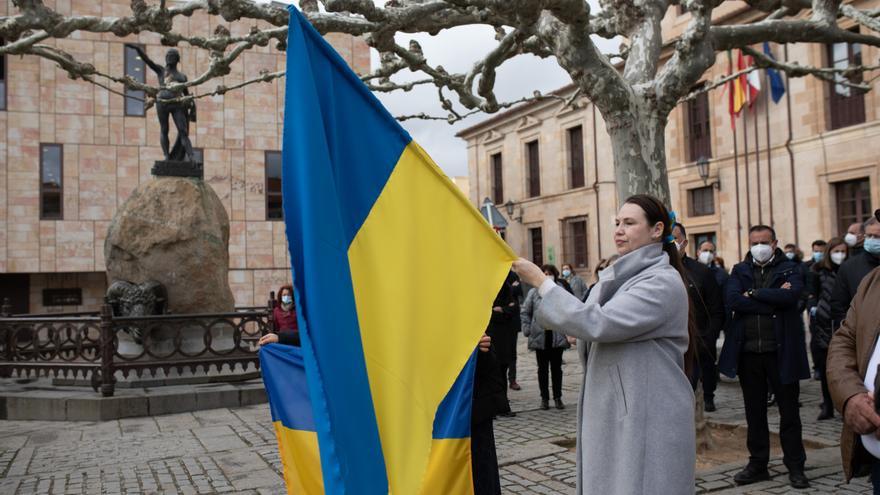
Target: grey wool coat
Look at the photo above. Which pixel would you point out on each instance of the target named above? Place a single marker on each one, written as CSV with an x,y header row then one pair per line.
x,y
636,409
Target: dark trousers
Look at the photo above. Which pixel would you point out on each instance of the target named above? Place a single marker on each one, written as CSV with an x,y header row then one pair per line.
x,y
511,370
550,358
819,357
708,369
755,371
484,461
502,371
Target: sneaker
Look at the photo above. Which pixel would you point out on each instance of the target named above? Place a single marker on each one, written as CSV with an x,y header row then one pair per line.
x,y
515,386
751,474
545,404
798,480
559,404
709,405
771,399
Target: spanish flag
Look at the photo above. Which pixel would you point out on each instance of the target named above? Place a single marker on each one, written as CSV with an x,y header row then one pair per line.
x,y
394,276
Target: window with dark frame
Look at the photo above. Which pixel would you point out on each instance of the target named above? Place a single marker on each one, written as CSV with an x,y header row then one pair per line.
x,y
497,179
853,202
536,241
135,68
576,157
574,241
51,182
698,127
701,201
846,105
533,170
273,186
62,297
2,78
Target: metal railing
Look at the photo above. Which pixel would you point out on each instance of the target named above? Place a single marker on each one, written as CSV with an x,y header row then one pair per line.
x,y
97,346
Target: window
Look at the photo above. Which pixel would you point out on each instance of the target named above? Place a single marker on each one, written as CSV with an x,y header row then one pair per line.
x,y
699,139
846,105
536,241
62,297
134,98
51,186
497,180
853,202
533,172
576,156
273,186
574,241
701,201
199,155
2,79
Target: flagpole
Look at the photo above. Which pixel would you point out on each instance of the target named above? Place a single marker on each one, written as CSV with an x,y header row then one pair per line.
x,y
745,109
735,158
758,167
794,212
769,162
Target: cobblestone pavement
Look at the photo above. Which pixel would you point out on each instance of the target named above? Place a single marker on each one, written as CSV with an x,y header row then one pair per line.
x,y
234,450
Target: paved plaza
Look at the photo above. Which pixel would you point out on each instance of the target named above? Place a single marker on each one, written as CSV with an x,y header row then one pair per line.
x,y
234,450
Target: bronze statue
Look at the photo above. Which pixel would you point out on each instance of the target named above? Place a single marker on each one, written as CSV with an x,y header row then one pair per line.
x,y
181,113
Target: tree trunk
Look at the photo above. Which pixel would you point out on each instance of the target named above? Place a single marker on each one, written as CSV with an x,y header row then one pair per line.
x,y
638,143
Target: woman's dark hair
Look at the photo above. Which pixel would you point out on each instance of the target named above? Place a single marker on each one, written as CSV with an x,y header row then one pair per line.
x,y
656,212
288,287
552,269
826,263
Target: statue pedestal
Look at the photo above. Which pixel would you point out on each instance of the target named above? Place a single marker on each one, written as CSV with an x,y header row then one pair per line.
x,y
175,168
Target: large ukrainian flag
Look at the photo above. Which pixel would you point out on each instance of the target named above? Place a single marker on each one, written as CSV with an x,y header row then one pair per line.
x,y
394,273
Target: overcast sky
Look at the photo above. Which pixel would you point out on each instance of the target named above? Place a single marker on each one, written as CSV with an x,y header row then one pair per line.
x,y
457,50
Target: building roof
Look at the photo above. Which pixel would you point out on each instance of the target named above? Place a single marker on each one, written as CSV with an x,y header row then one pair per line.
x,y
506,114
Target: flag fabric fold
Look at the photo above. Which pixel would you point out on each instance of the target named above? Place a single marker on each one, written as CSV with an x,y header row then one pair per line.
x,y
777,86
394,276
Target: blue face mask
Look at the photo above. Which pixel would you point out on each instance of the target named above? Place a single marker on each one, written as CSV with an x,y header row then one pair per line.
x,y
872,245
285,299
817,256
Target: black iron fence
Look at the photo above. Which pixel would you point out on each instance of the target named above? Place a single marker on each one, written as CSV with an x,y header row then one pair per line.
x,y
96,346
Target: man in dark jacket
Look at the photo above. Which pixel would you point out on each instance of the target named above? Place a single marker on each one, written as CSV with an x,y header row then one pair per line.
x,y
765,343
854,237
706,256
854,269
708,305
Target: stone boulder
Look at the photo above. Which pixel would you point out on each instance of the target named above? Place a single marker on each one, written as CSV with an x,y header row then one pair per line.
x,y
174,231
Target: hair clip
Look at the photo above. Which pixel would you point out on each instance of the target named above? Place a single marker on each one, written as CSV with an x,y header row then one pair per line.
x,y
672,219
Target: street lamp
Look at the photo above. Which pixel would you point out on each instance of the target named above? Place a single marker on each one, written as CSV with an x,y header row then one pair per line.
x,y
703,170
510,207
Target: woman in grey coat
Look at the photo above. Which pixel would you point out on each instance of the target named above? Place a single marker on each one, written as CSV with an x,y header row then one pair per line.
x,y
547,344
636,419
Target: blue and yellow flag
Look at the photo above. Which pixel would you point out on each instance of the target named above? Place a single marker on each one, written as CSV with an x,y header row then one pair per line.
x,y
394,275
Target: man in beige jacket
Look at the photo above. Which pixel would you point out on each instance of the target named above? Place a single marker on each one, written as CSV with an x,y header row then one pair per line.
x,y
853,348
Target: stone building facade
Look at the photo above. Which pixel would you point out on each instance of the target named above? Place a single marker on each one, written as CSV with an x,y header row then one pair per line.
x,y
72,152
813,170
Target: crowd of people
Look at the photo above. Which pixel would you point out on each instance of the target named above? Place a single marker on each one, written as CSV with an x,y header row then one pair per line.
x,y
646,330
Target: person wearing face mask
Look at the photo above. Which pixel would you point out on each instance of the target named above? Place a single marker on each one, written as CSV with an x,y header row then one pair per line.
x,y
765,344
818,252
820,285
855,238
577,284
706,256
708,317
548,344
854,269
284,318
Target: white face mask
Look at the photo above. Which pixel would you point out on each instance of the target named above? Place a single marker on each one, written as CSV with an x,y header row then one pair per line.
x,y
707,257
761,252
789,255
838,257
678,246
851,239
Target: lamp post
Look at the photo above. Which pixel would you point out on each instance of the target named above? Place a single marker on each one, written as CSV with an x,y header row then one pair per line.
x,y
703,170
510,208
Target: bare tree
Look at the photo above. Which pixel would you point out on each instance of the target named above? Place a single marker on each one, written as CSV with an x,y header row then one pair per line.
x,y
635,90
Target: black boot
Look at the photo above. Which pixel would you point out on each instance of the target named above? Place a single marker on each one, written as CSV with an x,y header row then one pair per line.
x,y
709,405
798,479
826,413
559,404
751,474
545,404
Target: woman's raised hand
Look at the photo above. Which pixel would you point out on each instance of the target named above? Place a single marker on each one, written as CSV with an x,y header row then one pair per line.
x,y
529,272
